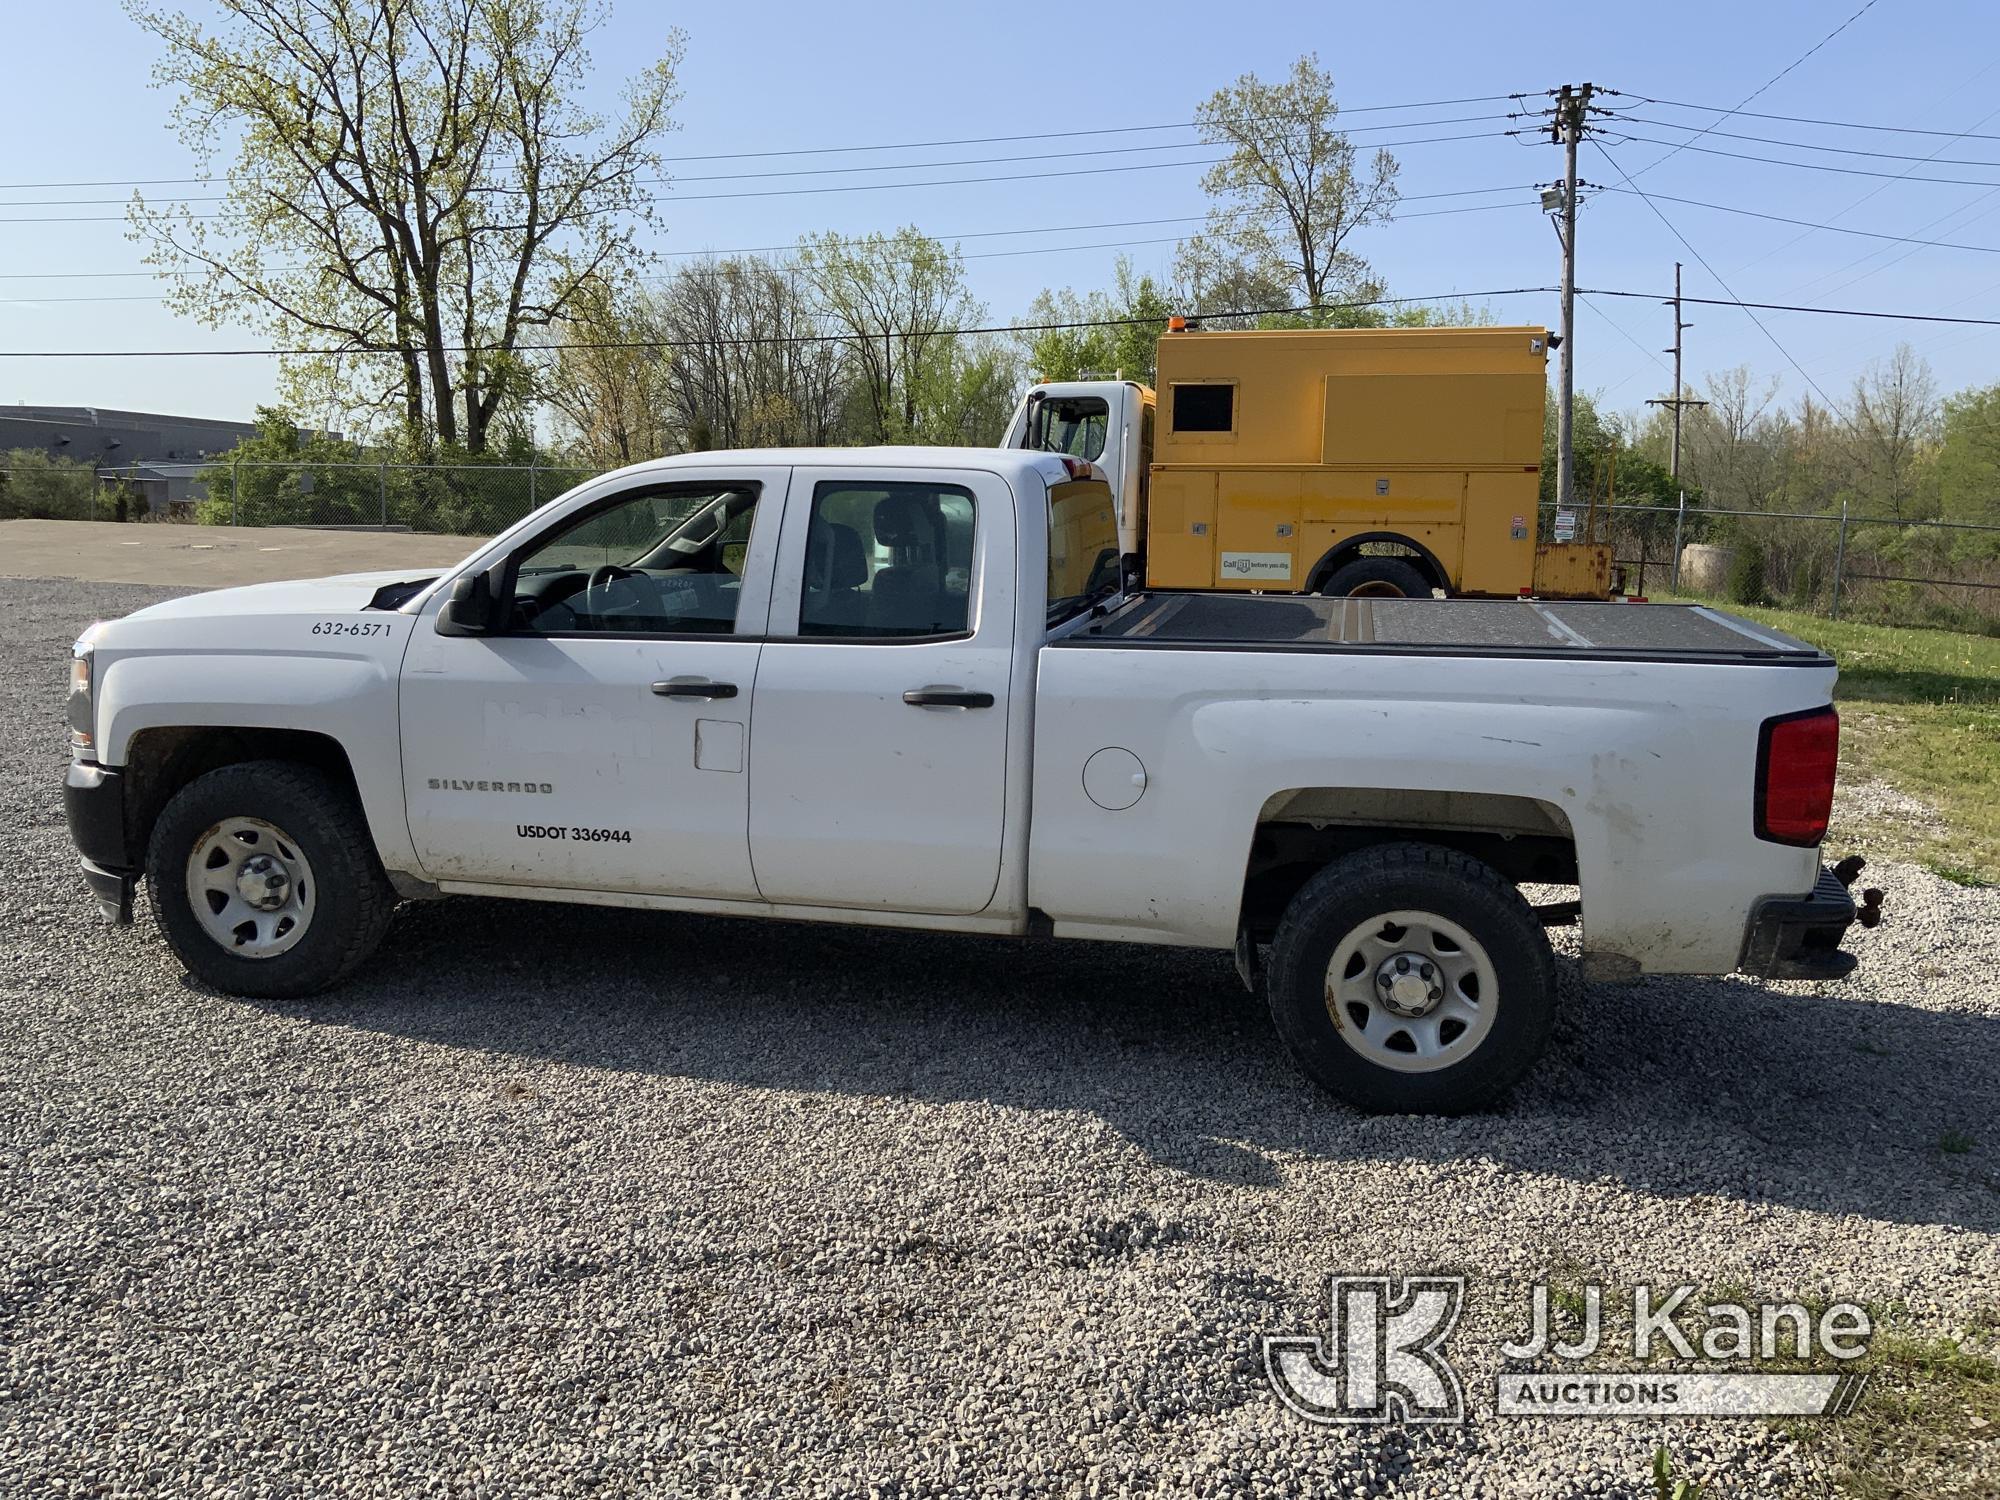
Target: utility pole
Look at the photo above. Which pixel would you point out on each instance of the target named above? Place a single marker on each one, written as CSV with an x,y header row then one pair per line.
x,y
1571,120
1677,400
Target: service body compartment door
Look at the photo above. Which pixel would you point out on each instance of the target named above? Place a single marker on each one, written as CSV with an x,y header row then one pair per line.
x,y
878,767
602,742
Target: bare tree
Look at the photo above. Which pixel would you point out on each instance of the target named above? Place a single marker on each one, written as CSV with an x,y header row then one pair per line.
x,y
607,374
1895,424
1735,446
414,184
750,361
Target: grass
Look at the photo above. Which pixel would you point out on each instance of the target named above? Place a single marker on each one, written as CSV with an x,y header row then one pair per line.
x,y
1923,1430
1927,1425
1920,710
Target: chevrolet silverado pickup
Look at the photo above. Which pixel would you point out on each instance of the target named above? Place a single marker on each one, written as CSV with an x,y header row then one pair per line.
x,y
911,688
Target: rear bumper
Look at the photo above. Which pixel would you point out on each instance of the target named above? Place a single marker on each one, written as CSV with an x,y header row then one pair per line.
x,y
1798,937
94,803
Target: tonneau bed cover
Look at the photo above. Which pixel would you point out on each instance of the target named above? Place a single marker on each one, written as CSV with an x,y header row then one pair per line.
x,y
1450,627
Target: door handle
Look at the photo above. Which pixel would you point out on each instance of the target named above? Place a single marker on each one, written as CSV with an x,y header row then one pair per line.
x,y
946,697
680,688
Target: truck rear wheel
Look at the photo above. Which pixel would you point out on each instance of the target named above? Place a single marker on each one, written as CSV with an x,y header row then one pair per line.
x,y
264,882
1409,978
1378,578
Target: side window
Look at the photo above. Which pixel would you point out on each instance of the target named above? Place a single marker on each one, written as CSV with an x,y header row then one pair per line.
x,y
664,560
887,560
1076,425
1204,408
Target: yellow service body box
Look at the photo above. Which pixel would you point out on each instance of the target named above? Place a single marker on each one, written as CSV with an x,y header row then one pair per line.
x,y
1275,452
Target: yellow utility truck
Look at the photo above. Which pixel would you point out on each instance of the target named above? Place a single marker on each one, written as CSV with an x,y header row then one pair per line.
x,y
1385,461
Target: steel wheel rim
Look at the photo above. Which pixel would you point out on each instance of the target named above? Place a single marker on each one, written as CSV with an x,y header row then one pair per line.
x,y
1379,588
1402,1025
251,887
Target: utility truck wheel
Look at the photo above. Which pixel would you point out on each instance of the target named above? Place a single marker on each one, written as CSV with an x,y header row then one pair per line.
x,y
264,882
1412,979
1378,578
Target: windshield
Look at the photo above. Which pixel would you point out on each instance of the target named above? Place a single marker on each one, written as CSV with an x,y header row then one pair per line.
x,y
1075,425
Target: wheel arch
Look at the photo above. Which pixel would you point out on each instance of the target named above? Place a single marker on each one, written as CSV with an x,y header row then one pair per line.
x,y
1301,830
160,761
1349,548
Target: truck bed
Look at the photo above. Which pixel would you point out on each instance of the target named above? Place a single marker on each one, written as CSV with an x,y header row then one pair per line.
x,y
1447,627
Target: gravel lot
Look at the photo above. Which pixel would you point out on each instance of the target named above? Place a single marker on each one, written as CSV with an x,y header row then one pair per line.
x,y
556,1201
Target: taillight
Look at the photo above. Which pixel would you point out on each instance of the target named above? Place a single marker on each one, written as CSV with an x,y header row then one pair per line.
x,y
1795,768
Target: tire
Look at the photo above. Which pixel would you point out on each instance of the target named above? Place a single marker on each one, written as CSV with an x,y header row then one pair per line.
x,y
1486,1009
1378,578
309,837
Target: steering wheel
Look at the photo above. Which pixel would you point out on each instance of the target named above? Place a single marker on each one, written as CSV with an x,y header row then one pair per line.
x,y
608,574
601,602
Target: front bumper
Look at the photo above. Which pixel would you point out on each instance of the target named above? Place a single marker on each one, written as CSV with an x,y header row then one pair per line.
x,y
94,802
1798,937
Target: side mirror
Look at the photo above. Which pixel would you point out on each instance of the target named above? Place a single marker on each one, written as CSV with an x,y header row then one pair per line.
x,y
471,608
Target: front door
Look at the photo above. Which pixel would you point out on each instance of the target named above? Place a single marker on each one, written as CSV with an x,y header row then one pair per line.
x,y
878,769
602,741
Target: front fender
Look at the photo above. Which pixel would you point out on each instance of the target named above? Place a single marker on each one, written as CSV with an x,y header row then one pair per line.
x,y
347,696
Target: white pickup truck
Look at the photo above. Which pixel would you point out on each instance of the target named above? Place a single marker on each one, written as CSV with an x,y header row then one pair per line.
x,y
907,687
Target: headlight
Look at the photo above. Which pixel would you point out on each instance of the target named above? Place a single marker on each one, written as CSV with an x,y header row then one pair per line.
x,y
81,722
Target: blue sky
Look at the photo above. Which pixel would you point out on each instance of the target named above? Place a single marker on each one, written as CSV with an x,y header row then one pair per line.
x,y
764,78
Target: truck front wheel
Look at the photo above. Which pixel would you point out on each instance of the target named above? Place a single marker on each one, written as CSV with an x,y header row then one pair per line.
x,y
264,882
1408,978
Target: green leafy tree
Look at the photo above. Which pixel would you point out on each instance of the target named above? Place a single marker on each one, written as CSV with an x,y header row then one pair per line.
x,y
903,302
35,486
1130,319
411,186
1968,460
1285,199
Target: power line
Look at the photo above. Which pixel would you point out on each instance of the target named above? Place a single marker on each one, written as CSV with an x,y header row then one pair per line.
x,y
1174,239
1752,114
1870,234
1767,83
855,187
811,338
975,140
1883,187
1015,328
1623,332
1835,312
896,166
712,253
1603,151
1771,140
1805,166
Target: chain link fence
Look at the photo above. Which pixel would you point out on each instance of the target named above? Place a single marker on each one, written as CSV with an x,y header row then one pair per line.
x,y
463,500
1898,572
1936,573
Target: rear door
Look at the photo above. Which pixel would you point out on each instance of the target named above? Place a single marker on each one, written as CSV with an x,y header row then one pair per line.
x,y
878,763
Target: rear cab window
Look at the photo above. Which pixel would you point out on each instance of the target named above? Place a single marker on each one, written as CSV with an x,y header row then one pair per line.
x,y
1083,548
888,560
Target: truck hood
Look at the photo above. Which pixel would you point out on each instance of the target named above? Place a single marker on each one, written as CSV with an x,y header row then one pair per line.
x,y
339,594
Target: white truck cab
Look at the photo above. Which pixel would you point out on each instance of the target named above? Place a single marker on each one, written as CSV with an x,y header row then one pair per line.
x,y
1105,422
910,687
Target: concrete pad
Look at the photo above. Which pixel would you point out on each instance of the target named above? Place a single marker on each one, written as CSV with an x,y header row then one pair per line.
x,y
212,557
